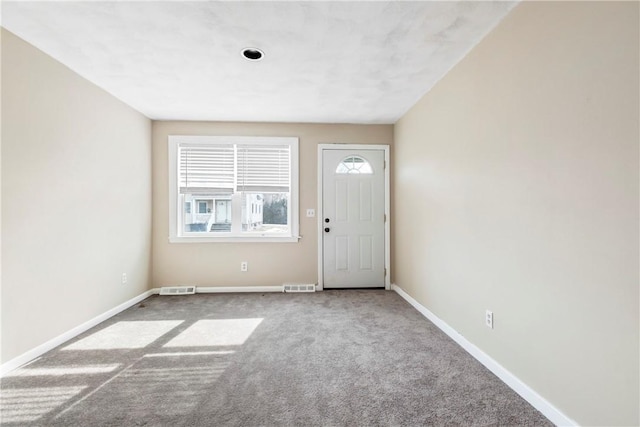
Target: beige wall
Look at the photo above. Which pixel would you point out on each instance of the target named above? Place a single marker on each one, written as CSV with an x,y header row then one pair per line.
x,y
76,199
218,264
516,190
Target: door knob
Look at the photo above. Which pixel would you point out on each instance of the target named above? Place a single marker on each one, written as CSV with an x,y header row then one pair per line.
x,y
327,229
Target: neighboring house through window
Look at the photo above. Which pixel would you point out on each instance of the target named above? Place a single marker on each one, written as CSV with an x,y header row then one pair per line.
x,y
244,188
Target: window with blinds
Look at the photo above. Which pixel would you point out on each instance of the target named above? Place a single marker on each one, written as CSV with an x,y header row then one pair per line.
x,y
264,168
244,188
206,169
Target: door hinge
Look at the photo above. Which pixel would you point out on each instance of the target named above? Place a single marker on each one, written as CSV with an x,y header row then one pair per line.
x,y
385,272
385,217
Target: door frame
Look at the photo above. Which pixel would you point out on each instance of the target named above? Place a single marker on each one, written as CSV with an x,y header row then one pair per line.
x,y
387,207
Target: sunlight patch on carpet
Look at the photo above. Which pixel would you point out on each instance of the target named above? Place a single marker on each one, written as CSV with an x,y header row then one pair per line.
x,y
20,405
122,335
190,353
64,370
216,332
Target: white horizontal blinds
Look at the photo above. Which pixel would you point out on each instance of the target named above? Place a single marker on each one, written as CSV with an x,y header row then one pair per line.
x,y
264,168
206,169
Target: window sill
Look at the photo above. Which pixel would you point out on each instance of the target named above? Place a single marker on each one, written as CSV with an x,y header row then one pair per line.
x,y
234,239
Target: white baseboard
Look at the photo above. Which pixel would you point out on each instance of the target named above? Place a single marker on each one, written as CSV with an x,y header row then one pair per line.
x,y
61,339
229,289
527,393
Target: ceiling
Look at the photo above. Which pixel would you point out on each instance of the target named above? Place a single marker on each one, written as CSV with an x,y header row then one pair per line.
x,y
325,62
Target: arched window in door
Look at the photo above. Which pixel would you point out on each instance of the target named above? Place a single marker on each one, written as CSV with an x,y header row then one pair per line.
x,y
354,164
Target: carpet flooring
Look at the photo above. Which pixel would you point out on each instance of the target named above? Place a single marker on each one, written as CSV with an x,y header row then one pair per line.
x,y
332,358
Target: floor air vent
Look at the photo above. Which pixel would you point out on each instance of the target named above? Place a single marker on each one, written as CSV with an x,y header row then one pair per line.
x,y
177,290
298,288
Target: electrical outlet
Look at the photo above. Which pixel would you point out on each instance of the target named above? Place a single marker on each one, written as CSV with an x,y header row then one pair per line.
x,y
244,266
124,278
311,213
488,319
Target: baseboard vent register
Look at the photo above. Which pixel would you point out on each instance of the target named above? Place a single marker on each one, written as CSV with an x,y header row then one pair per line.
x,y
298,288
177,290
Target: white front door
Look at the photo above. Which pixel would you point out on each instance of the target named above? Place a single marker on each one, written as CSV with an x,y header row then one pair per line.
x,y
353,216
223,211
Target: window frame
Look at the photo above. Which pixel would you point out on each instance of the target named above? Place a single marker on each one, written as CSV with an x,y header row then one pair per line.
x,y
176,230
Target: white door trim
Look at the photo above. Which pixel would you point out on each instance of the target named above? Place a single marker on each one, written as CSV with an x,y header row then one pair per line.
x,y
387,207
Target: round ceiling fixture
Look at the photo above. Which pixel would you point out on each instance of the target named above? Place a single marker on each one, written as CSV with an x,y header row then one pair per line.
x,y
252,54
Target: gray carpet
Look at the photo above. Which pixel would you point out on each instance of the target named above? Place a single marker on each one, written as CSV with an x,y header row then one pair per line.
x,y
333,358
